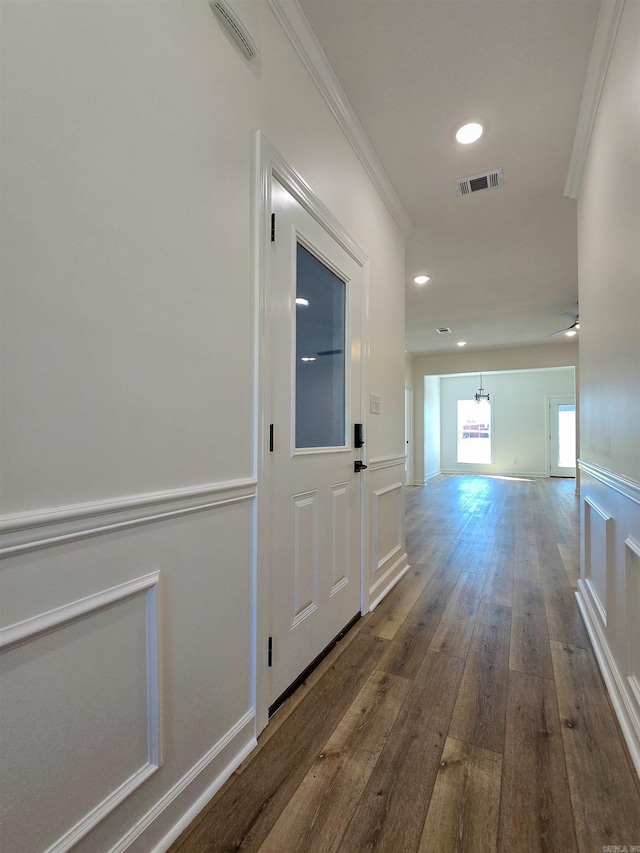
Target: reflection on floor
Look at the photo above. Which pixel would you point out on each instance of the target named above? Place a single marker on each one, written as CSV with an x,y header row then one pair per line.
x,y
467,712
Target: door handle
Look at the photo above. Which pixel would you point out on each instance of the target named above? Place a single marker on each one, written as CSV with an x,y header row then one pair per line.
x,y
358,466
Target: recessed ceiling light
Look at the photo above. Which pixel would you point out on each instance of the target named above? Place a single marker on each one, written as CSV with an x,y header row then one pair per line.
x,y
570,333
300,300
469,133
308,358
422,279
462,343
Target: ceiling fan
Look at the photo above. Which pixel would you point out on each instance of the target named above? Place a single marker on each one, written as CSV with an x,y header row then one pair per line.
x,y
571,329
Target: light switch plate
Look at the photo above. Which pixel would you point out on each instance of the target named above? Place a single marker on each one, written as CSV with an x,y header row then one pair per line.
x,y
374,404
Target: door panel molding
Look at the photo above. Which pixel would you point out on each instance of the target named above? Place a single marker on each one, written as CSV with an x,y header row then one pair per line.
x,y
339,537
305,560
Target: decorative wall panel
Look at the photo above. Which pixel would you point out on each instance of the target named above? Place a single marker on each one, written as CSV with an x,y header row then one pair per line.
x,y
632,562
388,524
597,525
80,691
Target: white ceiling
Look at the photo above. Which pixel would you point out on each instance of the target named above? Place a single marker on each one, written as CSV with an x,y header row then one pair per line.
x,y
503,262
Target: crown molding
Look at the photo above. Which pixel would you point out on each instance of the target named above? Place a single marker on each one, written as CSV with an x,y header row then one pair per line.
x,y
601,50
297,28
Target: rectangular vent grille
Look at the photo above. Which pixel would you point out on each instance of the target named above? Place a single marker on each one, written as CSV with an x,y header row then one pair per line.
x,y
234,27
475,184
443,330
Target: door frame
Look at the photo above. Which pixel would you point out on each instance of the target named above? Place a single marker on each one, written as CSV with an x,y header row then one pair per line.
x,y
267,165
408,432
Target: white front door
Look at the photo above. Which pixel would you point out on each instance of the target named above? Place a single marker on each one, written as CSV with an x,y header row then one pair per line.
x,y
562,437
314,401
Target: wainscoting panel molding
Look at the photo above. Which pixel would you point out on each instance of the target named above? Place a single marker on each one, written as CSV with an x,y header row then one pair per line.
x,y
381,462
26,532
632,562
625,487
609,589
387,524
597,545
389,561
70,645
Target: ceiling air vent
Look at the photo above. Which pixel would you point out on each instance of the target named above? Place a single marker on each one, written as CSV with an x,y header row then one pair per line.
x,y
477,183
234,26
443,330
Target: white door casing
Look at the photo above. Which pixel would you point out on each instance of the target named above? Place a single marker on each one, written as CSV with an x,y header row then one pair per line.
x,y
336,485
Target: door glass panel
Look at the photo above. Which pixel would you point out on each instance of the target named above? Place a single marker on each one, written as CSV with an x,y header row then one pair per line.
x,y
566,436
320,362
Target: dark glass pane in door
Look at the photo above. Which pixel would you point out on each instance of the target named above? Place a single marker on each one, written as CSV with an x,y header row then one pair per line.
x,y
320,354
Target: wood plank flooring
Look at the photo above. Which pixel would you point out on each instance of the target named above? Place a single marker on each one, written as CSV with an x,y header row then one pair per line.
x,y
466,713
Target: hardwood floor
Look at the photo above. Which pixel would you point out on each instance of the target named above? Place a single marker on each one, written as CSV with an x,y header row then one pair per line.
x,y
466,713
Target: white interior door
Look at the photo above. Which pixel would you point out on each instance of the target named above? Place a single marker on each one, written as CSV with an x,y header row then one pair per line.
x,y
562,437
315,398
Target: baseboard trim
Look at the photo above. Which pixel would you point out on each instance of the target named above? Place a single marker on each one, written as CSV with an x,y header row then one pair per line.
x,y
533,475
189,816
244,728
625,712
376,601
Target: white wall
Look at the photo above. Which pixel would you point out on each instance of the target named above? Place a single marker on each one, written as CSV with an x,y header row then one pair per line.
x,y
609,283
128,419
431,415
426,368
519,414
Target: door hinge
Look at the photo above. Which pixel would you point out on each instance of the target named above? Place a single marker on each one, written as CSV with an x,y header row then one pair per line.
x,y
270,438
273,228
270,652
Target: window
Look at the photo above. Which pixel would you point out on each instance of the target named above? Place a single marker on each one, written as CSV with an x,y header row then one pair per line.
x,y
320,359
474,431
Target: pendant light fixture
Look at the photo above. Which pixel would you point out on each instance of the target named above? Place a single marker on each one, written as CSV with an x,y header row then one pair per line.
x,y
481,394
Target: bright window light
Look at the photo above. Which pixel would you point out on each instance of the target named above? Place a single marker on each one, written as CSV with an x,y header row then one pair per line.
x,y
469,133
567,436
300,300
474,431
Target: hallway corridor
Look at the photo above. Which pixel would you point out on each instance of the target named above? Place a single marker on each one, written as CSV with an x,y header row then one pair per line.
x,y
467,712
